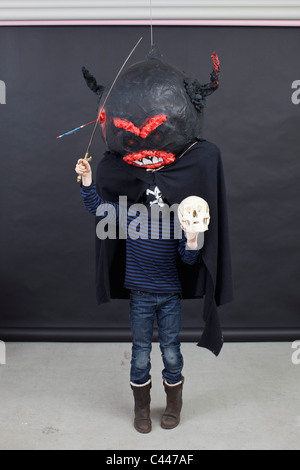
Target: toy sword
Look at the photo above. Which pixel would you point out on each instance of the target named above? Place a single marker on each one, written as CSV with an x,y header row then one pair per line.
x,y
87,157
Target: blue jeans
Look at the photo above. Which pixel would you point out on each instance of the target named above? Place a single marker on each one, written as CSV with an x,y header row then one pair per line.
x,y
144,306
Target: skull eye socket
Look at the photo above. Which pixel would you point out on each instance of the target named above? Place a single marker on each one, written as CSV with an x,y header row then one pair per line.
x,y
194,213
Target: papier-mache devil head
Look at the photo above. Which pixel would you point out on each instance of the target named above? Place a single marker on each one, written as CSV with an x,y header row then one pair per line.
x,y
154,111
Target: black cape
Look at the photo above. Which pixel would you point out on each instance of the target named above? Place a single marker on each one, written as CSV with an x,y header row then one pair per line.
x,y
199,172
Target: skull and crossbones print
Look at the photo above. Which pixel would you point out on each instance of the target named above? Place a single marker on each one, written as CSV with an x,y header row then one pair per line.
x,y
157,194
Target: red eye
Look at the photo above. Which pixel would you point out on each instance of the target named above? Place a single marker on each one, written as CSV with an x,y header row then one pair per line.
x,y
131,142
102,117
157,137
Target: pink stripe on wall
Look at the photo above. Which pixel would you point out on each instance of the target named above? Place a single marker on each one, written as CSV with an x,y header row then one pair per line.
x,y
293,23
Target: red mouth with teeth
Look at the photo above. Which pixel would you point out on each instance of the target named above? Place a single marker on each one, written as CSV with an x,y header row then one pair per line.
x,y
149,158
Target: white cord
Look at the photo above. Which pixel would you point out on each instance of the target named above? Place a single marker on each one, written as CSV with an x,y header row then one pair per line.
x,y
151,23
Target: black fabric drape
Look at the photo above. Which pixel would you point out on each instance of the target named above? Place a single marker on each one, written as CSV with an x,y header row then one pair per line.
x,y
198,172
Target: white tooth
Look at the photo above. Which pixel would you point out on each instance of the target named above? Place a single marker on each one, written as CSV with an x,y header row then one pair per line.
x,y
146,161
155,160
139,162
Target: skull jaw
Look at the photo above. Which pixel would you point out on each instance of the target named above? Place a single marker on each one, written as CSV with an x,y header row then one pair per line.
x,y
195,227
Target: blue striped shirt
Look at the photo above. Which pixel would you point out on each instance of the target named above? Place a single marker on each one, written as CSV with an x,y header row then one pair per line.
x,y
150,259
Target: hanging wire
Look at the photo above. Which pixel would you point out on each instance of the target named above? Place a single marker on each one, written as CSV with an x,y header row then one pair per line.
x,y
151,23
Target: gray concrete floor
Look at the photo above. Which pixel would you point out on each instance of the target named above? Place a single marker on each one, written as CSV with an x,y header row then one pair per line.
x,y
76,396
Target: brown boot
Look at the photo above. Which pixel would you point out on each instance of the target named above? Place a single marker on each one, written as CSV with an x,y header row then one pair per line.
x,y
141,393
171,416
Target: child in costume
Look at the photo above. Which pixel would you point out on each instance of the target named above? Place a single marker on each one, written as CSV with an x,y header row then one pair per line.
x,y
151,122
155,291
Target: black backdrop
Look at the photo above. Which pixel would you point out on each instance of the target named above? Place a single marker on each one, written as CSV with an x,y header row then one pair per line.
x,y
47,237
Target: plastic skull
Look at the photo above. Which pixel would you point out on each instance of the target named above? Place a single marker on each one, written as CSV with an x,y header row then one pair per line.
x,y
193,214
